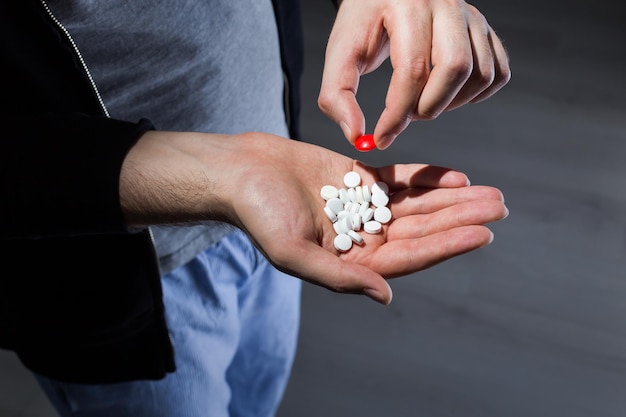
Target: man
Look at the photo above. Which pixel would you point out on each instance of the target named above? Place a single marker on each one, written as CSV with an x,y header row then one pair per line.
x,y
155,239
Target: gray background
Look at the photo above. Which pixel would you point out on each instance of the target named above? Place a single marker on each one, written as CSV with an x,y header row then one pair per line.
x,y
535,323
532,325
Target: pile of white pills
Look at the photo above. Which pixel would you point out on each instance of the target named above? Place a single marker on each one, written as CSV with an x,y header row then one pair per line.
x,y
354,208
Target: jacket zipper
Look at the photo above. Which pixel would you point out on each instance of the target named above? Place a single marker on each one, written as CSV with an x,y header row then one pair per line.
x,y
78,55
98,96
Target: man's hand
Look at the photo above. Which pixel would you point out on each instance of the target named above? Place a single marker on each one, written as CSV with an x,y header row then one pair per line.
x,y
443,52
270,187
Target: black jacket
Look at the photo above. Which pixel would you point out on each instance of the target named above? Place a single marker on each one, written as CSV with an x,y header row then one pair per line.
x,y
80,295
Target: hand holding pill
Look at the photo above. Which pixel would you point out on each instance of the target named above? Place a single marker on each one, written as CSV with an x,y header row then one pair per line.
x,y
443,54
279,191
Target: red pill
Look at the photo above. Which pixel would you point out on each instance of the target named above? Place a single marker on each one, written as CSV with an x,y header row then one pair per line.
x,y
365,143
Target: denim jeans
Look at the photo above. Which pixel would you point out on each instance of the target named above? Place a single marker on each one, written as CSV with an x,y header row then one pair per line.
x,y
234,323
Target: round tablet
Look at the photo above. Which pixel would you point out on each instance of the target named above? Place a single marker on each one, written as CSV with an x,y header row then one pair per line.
x,y
363,207
365,143
372,227
382,215
347,223
352,179
359,194
379,198
352,194
367,195
342,242
328,191
335,205
331,216
343,196
340,227
356,238
380,185
367,215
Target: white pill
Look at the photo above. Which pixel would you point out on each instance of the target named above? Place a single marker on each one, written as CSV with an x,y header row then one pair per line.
x,y
359,194
343,214
382,215
379,185
363,207
356,238
328,191
330,214
352,194
379,198
352,179
348,223
368,215
348,207
335,205
354,208
367,195
343,196
342,242
340,227
372,227
356,221
343,225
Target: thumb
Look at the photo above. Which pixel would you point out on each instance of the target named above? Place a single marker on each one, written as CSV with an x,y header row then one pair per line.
x,y
316,265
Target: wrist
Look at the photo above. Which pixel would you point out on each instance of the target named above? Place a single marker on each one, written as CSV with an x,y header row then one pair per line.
x,y
175,177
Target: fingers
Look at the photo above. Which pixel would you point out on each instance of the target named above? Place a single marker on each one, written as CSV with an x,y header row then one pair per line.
x,y
483,68
425,200
490,63
444,54
501,67
469,64
410,55
444,224
452,61
477,212
401,257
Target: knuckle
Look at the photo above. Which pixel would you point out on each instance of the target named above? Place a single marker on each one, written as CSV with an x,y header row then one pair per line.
x,y
473,10
428,113
484,78
503,76
324,102
418,69
459,68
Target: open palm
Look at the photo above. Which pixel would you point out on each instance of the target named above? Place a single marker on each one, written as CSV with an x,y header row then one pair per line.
x,y
436,216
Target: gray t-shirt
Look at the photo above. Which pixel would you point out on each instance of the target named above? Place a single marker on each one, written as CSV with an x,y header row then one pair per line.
x,y
187,65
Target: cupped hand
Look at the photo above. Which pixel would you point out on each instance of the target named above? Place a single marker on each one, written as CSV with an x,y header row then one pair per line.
x,y
436,215
444,54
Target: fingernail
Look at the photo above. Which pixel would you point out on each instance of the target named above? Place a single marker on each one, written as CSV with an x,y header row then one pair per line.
x,y
346,129
385,142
